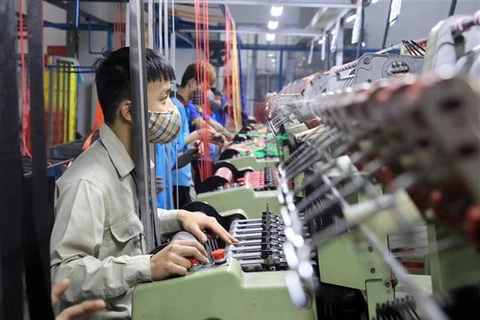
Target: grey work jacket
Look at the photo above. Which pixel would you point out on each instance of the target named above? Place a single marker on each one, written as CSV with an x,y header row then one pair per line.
x,y
97,240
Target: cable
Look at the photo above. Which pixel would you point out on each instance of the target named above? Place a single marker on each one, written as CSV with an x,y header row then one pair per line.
x,y
362,33
387,27
453,6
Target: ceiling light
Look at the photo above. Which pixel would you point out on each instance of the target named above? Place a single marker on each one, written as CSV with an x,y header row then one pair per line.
x,y
334,31
364,44
270,36
276,11
374,1
273,60
351,18
270,54
272,24
321,41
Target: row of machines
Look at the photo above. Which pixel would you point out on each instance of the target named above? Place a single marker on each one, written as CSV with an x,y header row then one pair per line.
x,y
350,198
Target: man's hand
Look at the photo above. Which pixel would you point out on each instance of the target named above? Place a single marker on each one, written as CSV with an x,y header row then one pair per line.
x,y
219,140
209,132
159,181
78,312
173,259
196,223
198,146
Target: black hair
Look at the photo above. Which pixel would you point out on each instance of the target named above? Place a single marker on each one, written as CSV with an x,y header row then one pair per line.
x,y
193,73
216,92
112,77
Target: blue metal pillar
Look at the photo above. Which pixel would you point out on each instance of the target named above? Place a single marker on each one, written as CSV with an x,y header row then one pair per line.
x,y
109,39
280,72
77,14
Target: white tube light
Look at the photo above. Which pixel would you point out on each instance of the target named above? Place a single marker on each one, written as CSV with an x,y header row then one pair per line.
x,y
374,1
276,11
270,36
272,24
351,18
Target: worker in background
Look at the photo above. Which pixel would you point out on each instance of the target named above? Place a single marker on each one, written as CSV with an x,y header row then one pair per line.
x,y
227,108
97,240
191,89
173,162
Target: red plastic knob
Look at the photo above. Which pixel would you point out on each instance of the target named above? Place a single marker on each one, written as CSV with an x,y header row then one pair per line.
x,y
218,254
193,261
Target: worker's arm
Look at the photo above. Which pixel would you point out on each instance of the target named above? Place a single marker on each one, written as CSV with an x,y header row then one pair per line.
x,y
76,241
220,129
191,137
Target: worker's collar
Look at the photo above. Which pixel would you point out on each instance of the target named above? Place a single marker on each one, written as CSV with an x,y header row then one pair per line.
x,y
116,150
182,99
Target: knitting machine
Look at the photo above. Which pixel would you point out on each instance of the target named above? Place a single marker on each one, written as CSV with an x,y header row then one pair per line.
x,y
249,274
371,68
229,188
418,138
257,153
413,162
455,42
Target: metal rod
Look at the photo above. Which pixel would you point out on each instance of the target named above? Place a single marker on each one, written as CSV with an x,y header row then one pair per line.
x,y
64,101
173,41
68,75
36,253
280,72
151,27
57,102
139,108
50,106
165,29
160,19
127,24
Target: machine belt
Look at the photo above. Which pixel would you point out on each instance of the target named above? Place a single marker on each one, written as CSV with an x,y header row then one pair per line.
x,y
11,294
38,219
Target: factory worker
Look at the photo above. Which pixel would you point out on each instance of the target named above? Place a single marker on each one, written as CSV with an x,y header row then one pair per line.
x,y
97,240
190,94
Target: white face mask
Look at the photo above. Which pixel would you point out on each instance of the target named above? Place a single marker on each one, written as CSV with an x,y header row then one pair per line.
x,y
163,127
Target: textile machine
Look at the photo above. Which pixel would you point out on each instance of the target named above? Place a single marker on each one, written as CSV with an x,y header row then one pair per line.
x,y
390,159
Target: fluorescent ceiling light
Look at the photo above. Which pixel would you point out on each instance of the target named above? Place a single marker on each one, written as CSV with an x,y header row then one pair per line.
x,y
270,36
364,44
273,60
374,1
272,24
276,11
270,54
351,18
321,41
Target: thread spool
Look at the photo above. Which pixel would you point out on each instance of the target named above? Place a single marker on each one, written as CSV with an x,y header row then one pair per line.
x,y
226,174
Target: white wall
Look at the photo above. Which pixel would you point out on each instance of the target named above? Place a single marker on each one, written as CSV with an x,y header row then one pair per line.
x,y
417,18
51,37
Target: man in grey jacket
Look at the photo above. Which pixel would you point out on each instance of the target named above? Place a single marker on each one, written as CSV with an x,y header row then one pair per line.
x,y
97,240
